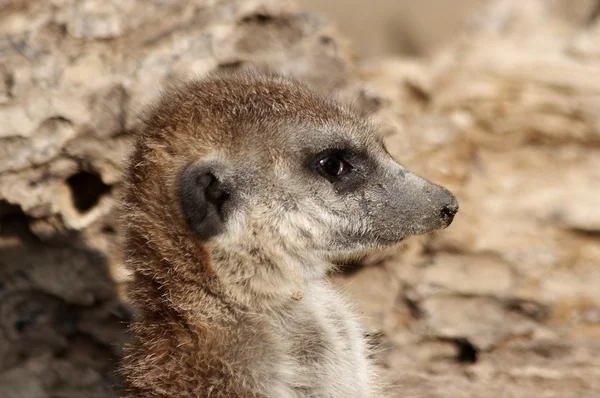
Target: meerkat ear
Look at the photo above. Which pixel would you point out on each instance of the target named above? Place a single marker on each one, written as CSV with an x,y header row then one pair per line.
x,y
202,196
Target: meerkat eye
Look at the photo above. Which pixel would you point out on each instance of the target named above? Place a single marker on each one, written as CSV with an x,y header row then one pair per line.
x,y
334,166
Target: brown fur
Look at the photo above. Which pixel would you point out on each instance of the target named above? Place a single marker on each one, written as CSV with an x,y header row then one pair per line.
x,y
202,329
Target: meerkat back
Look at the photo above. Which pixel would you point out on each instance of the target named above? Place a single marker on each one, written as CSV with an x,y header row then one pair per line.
x,y
242,191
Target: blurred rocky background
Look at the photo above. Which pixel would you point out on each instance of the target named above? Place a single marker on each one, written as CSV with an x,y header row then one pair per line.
x,y
499,100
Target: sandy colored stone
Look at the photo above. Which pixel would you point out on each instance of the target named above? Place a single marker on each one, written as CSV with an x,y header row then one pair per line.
x,y
481,321
504,303
470,275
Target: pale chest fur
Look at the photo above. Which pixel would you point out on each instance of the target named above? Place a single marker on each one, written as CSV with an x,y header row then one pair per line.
x,y
321,346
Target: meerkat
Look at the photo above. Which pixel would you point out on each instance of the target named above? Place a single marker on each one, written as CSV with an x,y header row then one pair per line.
x,y
242,191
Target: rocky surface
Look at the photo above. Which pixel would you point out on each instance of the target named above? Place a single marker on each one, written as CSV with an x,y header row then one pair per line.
x,y
508,117
505,303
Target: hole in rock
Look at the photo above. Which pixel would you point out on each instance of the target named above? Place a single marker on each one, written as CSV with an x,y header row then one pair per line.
x,y
86,190
467,352
258,18
13,221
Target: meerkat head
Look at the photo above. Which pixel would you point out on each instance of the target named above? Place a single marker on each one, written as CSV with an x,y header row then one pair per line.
x,y
262,165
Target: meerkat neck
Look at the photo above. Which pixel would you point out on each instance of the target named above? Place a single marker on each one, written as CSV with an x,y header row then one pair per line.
x,y
250,274
263,279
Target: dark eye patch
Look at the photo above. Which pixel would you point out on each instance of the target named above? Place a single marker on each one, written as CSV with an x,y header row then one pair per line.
x,y
346,169
332,165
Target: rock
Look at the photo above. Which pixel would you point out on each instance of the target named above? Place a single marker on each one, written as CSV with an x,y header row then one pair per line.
x,y
481,321
506,116
470,275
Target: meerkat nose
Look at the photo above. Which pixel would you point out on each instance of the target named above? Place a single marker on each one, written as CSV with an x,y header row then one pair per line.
x,y
449,211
